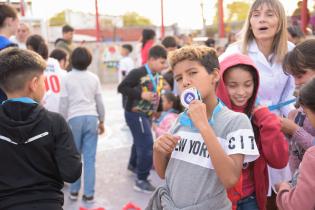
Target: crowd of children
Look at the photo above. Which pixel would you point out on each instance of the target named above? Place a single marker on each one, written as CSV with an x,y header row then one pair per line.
x,y
241,144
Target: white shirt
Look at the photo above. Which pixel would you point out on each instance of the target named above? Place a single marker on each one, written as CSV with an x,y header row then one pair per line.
x,y
20,44
79,93
275,86
126,64
53,78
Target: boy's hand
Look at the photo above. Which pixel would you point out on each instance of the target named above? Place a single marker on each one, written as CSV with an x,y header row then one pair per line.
x,y
165,144
288,126
101,128
197,112
148,96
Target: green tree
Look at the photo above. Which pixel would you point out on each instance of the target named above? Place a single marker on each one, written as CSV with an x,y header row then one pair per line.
x,y
134,19
237,11
58,20
235,14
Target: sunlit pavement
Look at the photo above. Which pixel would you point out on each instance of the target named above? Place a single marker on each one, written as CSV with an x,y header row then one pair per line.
x,y
114,183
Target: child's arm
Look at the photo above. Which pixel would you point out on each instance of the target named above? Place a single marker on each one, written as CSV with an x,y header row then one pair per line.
x,y
298,134
63,102
302,195
162,150
274,146
129,86
66,155
227,167
303,138
100,108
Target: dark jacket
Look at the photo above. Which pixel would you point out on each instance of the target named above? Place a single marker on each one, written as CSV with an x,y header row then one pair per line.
x,y
37,154
136,82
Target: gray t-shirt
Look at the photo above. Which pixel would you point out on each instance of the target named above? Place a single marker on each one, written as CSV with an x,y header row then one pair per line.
x,y
190,176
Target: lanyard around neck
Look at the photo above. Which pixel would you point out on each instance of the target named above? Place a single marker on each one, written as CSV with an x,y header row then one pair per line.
x,y
153,80
186,121
26,100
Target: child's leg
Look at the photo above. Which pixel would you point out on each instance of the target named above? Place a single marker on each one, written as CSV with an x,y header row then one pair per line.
x,y
133,152
89,144
141,131
76,125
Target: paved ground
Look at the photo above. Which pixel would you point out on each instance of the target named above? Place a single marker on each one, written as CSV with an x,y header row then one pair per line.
x,y
114,184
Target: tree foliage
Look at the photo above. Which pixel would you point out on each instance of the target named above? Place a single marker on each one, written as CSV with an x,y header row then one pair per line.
x,y
237,11
134,19
235,14
58,20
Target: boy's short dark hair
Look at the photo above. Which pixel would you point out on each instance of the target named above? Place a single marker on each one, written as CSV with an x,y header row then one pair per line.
x,y
158,51
81,58
127,47
67,28
300,58
17,66
6,11
58,54
206,56
169,42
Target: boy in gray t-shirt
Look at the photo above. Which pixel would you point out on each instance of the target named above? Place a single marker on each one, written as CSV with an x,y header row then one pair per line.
x,y
202,158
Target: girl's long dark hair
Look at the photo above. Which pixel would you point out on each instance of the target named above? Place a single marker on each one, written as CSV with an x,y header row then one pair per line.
x,y
38,44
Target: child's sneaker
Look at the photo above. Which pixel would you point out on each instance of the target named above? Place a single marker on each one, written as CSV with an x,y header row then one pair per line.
x,y
74,196
88,199
143,186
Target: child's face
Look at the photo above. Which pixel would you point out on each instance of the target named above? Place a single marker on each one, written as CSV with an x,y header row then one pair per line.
x,y
189,74
310,115
38,87
301,79
166,104
158,64
240,85
124,52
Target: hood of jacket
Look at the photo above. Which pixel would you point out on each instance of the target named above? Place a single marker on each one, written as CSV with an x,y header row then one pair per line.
x,y
18,120
226,64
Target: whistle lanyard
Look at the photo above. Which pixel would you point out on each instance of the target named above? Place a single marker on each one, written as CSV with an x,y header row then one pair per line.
x,y
152,78
187,122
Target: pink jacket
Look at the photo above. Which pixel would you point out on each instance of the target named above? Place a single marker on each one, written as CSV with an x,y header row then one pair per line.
x,y
302,195
302,139
165,124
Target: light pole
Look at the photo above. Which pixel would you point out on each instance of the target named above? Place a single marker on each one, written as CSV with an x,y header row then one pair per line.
x,y
162,20
97,22
221,18
304,16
